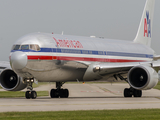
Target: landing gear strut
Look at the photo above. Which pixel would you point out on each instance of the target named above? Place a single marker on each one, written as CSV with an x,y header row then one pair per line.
x,y
128,92
30,93
59,92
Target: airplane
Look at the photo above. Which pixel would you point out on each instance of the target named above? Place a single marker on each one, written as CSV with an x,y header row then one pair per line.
x,y
47,57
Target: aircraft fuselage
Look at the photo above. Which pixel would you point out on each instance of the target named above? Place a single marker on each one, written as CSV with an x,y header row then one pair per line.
x,y
52,57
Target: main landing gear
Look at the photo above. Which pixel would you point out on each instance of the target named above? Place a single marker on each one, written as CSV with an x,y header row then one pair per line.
x,y
59,92
30,93
128,92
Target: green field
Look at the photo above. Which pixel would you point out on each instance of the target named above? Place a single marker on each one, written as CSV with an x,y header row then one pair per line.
x,y
42,83
157,86
13,94
144,114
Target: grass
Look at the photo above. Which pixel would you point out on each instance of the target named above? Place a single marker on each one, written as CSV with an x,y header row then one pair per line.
x,y
157,86
144,114
13,94
39,84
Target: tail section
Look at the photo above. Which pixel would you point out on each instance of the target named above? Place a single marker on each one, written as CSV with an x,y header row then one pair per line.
x,y
144,33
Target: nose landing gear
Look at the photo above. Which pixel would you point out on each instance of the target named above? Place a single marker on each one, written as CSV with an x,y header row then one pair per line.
x,y
30,93
59,92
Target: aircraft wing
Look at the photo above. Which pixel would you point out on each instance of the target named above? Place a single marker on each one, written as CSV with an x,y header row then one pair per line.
x,y
157,57
156,63
102,70
4,64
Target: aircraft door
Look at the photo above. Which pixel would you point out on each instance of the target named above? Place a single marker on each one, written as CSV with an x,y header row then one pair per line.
x,y
56,52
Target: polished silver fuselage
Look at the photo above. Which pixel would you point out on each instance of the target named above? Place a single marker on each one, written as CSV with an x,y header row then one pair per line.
x,y
66,58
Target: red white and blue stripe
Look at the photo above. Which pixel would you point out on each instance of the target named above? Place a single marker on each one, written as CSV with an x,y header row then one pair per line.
x,y
85,55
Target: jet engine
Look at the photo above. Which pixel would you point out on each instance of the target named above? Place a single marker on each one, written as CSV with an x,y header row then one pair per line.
x,y
10,81
142,77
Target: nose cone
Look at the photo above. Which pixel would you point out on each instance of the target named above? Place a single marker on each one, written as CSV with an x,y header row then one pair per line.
x,y
18,60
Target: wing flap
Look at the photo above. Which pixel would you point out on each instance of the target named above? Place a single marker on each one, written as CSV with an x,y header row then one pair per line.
x,y
4,65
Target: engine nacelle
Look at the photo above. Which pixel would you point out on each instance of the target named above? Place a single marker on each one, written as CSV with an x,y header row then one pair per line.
x,y
10,81
142,77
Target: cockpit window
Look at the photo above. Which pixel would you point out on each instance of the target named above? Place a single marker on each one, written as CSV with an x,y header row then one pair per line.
x,y
25,47
13,47
16,47
34,47
37,47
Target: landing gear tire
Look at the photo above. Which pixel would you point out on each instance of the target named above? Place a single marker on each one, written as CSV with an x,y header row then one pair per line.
x,y
137,93
28,95
54,93
59,92
64,93
31,94
127,92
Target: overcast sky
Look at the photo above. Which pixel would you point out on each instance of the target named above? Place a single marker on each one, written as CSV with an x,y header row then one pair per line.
x,y
116,19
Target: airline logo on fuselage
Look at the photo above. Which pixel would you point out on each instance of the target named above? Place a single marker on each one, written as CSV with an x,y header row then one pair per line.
x,y
68,43
147,25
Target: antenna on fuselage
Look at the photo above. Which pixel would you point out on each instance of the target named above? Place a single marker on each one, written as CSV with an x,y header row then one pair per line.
x,y
62,32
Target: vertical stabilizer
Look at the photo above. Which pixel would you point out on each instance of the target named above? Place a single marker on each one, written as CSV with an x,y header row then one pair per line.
x,y
144,33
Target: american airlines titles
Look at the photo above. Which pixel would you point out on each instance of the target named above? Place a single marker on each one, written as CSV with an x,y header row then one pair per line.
x,y
68,43
147,25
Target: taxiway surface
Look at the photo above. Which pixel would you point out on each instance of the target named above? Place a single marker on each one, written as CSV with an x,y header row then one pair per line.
x,y
97,96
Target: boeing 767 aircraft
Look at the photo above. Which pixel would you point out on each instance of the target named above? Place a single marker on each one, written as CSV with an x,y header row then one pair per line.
x,y
60,58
